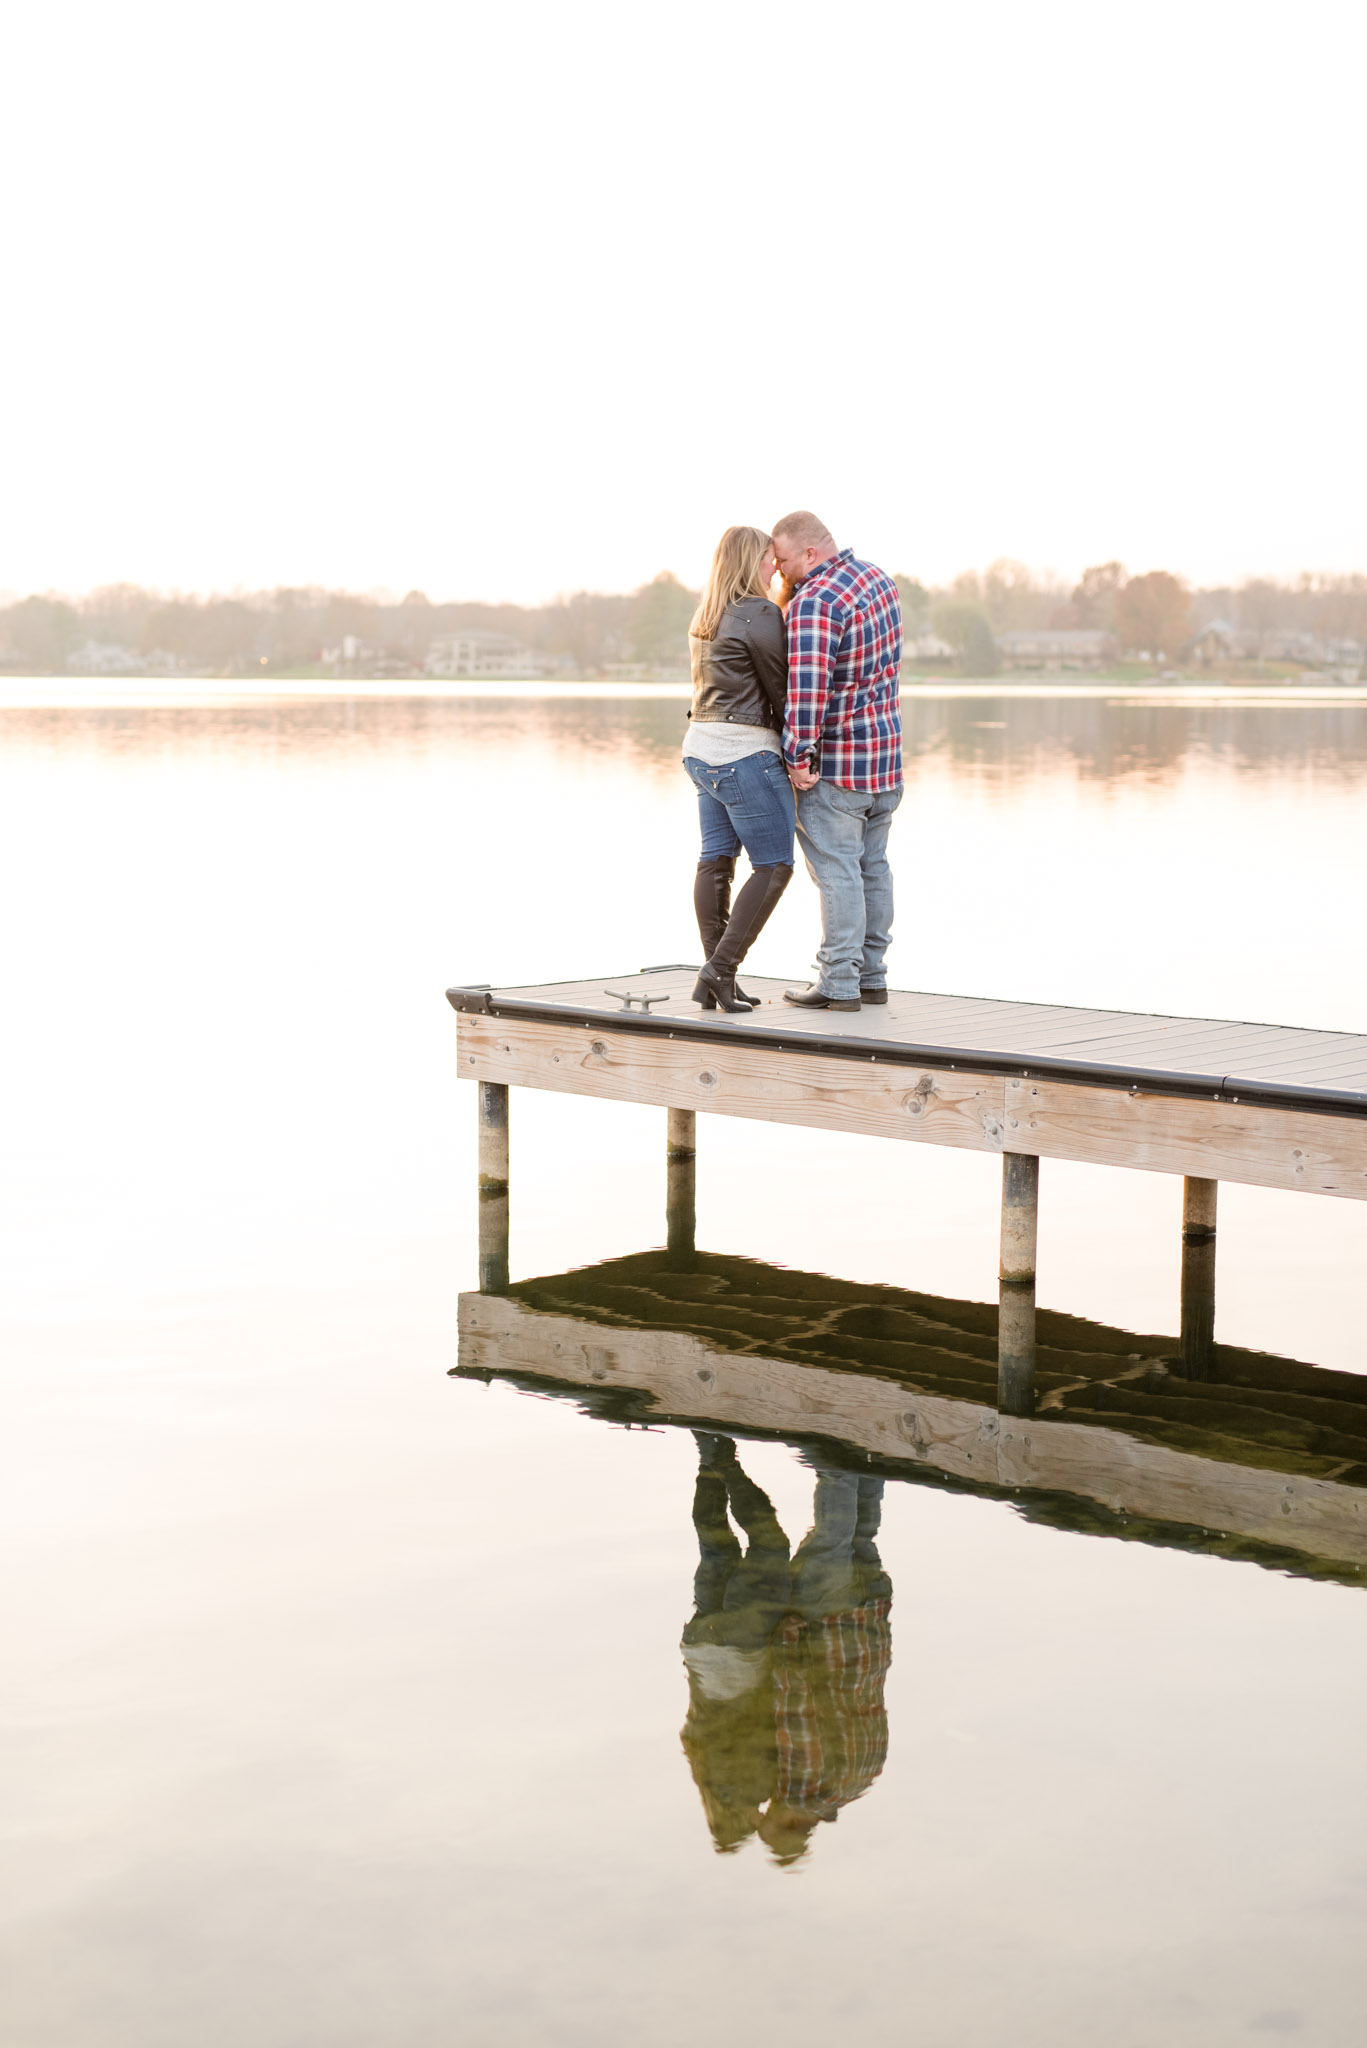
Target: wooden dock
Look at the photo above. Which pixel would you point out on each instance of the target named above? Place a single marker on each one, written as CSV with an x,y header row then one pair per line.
x,y
1265,1461
1268,1105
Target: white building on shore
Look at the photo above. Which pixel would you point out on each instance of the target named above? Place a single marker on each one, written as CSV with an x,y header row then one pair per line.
x,y
104,658
484,654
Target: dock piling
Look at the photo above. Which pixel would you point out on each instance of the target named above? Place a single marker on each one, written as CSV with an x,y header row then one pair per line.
x,y
681,1167
493,1187
1198,1276
1016,1294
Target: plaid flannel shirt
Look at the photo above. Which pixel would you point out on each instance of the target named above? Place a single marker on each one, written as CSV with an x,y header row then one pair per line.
x,y
831,1723
844,654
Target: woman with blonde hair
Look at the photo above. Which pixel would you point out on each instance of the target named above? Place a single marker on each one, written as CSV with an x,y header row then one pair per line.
x,y
731,751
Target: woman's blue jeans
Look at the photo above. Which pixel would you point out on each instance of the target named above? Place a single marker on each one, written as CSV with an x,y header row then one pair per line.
x,y
748,804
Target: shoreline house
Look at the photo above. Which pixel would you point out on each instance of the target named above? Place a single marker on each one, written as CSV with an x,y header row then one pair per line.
x,y
920,643
112,658
104,658
1073,647
484,654
356,657
1219,641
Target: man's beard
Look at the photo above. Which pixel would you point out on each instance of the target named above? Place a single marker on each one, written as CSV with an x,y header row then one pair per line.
x,y
785,593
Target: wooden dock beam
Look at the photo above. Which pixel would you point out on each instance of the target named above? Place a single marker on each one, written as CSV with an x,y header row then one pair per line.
x,y
493,1187
1016,1295
1198,1276
681,1187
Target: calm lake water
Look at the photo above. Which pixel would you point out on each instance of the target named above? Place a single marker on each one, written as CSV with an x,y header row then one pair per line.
x,y
345,1698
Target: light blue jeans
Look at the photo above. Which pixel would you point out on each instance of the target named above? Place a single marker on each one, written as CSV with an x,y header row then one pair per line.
x,y
836,1566
843,834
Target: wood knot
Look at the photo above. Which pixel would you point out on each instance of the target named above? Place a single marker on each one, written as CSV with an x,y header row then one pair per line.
x,y
919,1098
909,1428
708,1080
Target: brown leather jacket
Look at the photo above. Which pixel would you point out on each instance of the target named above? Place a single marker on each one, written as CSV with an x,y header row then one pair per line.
x,y
742,675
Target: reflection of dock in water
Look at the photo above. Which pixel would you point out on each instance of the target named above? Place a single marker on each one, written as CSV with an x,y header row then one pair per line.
x,y
1264,1459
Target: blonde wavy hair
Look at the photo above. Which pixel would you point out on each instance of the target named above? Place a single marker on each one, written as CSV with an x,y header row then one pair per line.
x,y
734,574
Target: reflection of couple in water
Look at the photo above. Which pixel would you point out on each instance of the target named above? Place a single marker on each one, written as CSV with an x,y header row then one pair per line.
x,y
786,1655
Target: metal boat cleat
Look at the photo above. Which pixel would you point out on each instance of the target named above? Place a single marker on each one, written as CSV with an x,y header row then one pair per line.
x,y
627,999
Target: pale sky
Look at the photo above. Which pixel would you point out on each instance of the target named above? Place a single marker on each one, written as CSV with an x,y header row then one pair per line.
x,y
508,299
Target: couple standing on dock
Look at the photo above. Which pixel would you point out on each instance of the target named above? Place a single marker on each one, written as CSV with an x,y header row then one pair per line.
x,y
795,731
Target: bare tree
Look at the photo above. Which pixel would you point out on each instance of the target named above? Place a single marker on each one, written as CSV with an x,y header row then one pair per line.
x,y
1153,613
1092,605
1015,597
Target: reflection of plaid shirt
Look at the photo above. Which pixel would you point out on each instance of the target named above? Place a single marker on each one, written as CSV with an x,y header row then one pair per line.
x,y
832,1725
844,653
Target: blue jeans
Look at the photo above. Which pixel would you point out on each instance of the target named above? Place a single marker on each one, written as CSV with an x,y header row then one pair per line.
x,y
836,1567
750,805
843,834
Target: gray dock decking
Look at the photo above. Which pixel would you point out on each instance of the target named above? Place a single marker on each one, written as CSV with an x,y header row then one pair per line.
x,y
1215,1058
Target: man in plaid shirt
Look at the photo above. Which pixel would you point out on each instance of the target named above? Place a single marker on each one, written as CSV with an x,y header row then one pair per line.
x,y
842,741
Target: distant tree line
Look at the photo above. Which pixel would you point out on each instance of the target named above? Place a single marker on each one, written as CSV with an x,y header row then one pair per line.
x,y
1155,614
292,629
593,633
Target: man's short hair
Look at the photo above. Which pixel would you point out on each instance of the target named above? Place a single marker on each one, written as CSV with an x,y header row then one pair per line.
x,y
804,529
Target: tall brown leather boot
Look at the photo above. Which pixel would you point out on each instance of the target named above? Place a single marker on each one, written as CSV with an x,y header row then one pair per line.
x,y
753,908
712,908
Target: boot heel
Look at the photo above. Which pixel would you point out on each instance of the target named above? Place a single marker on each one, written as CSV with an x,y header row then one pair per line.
x,y
714,989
